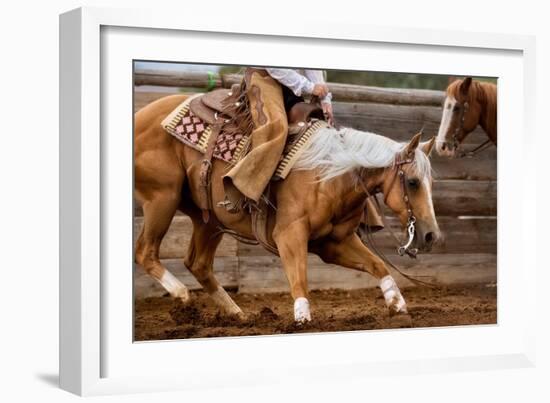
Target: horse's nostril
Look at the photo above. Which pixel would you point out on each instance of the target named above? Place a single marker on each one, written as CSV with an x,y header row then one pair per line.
x,y
429,238
443,146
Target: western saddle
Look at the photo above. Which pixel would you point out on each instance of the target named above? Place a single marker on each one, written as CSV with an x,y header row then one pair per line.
x,y
222,110
214,105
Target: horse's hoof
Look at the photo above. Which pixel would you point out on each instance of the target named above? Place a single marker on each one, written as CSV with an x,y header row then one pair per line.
x,y
400,320
302,313
241,316
302,321
184,297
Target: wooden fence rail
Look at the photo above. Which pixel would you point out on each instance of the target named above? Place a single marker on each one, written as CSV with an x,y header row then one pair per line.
x,y
473,235
340,92
258,274
457,198
399,123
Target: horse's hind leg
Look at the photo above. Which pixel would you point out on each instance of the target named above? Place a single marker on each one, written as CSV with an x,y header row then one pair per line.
x,y
158,214
200,262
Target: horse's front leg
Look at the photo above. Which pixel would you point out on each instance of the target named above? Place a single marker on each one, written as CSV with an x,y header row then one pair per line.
x,y
352,253
292,242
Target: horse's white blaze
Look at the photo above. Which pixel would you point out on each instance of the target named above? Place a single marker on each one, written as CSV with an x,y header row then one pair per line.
x,y
175,287
223,300
429,200
392,294
446,118
301,310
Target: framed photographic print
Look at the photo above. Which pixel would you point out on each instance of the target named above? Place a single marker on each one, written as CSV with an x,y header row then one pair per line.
x,y
233,202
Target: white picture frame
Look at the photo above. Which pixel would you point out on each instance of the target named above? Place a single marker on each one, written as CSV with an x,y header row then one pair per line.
x,y
94,325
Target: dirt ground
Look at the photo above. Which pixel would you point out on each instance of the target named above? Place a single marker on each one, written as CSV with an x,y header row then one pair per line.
x,y
332,310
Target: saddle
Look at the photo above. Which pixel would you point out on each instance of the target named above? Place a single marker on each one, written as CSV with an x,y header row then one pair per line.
x,y
226,110
214,104
217,103
219,109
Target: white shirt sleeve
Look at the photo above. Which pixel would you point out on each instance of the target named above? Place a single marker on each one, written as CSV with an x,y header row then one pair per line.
x,y
297,83
300,84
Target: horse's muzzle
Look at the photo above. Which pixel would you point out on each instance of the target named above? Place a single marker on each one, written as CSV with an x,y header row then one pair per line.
x,y
426,240
445,148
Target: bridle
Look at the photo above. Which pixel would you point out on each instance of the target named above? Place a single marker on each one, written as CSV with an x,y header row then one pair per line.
x,y
411,219
460,129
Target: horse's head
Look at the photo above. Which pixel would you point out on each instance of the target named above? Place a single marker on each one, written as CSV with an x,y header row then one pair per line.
x,y
407,189
461,112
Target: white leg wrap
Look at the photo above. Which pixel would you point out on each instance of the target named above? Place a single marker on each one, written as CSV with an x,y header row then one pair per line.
x,y
175,287
301,310
223,300
392,295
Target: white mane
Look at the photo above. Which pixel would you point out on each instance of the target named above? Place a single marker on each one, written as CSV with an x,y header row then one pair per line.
x,y
335,152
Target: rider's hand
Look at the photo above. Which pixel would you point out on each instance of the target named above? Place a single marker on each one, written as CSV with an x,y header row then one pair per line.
x,y
327,110
320,90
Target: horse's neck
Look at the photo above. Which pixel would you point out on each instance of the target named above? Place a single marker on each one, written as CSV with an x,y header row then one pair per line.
x,y
363,183
488,116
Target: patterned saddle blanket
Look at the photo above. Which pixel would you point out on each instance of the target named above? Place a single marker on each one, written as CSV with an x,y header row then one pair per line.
x,y
231,146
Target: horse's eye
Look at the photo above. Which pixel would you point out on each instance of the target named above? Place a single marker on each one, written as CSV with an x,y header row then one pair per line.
x,y
456,108
413,183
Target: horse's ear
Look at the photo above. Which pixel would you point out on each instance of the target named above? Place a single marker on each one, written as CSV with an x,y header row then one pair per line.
x,y
465,86
413,144
427,146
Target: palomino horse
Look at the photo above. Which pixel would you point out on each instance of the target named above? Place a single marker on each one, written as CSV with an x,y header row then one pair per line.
x,y
468,103
319,205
